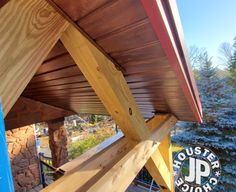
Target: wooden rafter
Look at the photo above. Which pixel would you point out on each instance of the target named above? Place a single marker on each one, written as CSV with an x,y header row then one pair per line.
x,y
108,83
28,30
112,89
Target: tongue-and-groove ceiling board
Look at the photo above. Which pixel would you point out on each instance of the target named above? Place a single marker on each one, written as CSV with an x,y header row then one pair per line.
x,y
122,30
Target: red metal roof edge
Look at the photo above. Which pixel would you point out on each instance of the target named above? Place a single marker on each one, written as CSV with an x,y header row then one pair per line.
x,y
157,14
174,20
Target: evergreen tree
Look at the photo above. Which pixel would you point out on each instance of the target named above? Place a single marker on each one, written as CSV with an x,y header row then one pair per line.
x,y
218,130
232,67
228,58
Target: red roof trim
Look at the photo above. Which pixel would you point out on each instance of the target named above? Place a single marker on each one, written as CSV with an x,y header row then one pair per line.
x,y
157,16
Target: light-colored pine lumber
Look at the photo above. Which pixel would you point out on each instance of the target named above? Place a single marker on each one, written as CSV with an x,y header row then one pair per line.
x,y
29,29
165,150
108,83
111,87
119,177
70,166
160,163
88,172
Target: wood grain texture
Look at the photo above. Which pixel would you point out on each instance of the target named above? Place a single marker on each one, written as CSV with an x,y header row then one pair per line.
x,y
81,177
166,152
70,166
27,111
123,29
127,12
83,173
78,9
57,63
108,83
111,87
29,30
140,30
133,161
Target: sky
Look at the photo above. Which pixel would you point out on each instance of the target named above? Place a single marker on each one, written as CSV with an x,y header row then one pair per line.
x,y
208,23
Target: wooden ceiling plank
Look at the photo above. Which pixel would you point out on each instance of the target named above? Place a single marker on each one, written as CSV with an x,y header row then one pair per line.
x,y
132,36
59,62
59,81
25,43
109,18
66,72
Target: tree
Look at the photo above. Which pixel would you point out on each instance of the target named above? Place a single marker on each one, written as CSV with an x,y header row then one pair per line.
x,y
232,67
228,57
218,130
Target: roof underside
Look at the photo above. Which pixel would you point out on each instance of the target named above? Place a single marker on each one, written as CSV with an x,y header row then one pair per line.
x,y
123,30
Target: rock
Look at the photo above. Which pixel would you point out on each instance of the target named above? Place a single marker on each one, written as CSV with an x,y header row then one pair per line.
x,y
15,130
17,159
27,154
10,139
24,163
16,149
8,133
16,169
33,160
24,128
29,175
10,147
23,143
34,170
30,130
21,179
19,133
32,150
30,142
16,186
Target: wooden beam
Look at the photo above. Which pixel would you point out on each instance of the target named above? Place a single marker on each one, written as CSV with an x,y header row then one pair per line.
x,y
108,83
111,87
159,165
88,170
122,173
158,169
27,111
166,152
70,166
28,30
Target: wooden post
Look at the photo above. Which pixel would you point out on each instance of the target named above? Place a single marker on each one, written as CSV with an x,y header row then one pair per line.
x,y
29,29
